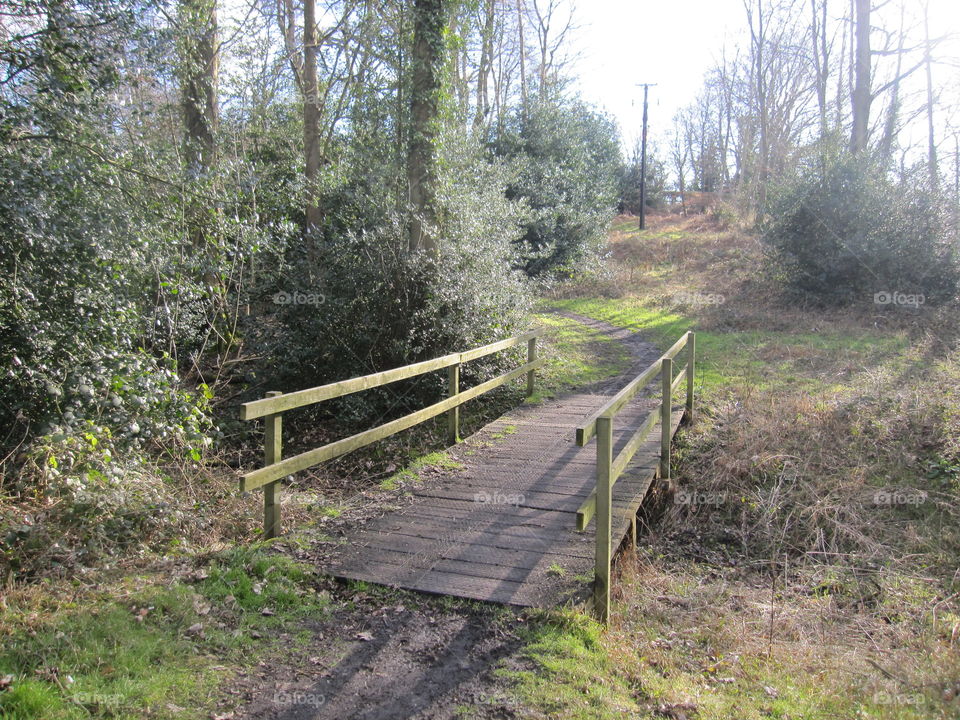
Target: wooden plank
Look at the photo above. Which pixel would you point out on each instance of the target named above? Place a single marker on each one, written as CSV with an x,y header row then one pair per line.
x,y
504,592
518,566
289,401
503,528
384,544
497,520
540,500
256,478
458,508
409,574
498,346
430,536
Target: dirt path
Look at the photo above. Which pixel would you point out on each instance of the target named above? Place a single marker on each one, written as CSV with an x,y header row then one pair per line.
x,y
384,654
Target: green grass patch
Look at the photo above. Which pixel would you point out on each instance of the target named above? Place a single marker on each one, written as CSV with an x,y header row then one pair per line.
x,y
411,473
158,652
576,356
762,358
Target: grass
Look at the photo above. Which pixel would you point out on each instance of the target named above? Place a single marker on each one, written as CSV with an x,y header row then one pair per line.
x,y
576,356
765,359
150,646
412,473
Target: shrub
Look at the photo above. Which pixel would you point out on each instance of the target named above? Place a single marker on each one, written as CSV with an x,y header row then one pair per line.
x,y
851,233
374,306
566,160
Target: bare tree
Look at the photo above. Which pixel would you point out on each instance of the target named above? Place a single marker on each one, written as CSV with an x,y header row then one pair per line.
x,y
932,166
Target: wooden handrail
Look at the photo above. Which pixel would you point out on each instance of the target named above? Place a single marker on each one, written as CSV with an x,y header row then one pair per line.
x,y
626,394
599,501
275,404
311,396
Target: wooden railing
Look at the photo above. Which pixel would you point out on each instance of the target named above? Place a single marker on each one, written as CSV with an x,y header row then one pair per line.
x,y
272,407
609,468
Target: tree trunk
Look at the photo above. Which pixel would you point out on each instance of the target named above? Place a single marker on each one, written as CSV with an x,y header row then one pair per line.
x,y
199,69
818,32
523,58
486,60
199,82
427,63
893,111
311,115
862,93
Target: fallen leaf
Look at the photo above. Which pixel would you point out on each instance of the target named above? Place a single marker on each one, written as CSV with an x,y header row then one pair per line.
x,y
365,636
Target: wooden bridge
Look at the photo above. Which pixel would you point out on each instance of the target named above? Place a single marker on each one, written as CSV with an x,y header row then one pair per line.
x,y
513,523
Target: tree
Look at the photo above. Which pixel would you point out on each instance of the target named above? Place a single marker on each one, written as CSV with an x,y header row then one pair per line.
x,y
426,62
932,166
199,70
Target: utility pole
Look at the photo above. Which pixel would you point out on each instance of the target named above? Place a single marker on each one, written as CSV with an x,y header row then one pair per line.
x,y
643,157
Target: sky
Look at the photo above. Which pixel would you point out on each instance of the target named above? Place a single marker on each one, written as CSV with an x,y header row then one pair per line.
x,y
621,43
669,42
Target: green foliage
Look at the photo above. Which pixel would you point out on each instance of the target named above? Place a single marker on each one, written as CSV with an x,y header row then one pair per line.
x,y
848,232
379,307
566,160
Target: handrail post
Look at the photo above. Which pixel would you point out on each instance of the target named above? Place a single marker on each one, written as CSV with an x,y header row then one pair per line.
x,y
531,356
272,451
601,583
691,356
666,412
453,415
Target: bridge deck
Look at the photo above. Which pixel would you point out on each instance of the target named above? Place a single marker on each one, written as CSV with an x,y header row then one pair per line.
x,y
502,528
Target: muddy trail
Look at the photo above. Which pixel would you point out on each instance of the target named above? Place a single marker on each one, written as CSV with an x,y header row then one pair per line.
x,y
384,654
